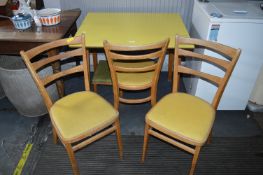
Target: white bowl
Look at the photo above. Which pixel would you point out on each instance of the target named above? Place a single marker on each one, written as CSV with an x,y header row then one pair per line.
x,y
49,16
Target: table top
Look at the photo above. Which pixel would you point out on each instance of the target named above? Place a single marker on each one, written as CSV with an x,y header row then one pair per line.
x,y
43,34
131,28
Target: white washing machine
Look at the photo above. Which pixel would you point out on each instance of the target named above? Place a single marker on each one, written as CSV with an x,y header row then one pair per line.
x,y
238,24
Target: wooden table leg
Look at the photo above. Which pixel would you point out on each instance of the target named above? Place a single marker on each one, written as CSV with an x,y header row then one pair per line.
x,y
95,60
57,68
74,29
95,63
170,66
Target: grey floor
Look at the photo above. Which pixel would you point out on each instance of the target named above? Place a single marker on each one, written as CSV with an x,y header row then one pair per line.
x,y
16,130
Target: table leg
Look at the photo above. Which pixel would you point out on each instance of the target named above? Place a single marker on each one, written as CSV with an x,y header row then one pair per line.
x,y
74,29
170,66
95,63
95,60
57,68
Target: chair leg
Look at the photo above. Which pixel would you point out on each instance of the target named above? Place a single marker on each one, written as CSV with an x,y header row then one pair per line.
x,y
72,159
209,139
145,142
55,136
194,161
153,101
119,140
116,103
95,88
153,95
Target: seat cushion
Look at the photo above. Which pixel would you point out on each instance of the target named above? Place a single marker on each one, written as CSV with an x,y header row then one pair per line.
x,y
135,79
102,73
81,113
183,115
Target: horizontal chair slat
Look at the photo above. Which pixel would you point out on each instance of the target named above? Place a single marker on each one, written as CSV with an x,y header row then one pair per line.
x,y
211,59
210,77
65,55
58,43
116,56
55,76
133,69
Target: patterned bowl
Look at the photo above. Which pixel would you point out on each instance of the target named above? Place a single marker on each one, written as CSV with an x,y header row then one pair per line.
x,y
21,21
49,16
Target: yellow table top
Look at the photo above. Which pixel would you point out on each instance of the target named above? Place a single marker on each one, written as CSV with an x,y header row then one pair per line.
x,y
131,28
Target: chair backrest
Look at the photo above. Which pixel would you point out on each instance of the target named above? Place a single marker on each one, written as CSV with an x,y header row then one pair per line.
x,y
230,54
134,55
47,54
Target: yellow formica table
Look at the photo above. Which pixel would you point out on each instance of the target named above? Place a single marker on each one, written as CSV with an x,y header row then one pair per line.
x,y
132,29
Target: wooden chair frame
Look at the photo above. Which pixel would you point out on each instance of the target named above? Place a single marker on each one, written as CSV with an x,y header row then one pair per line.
x,y
75,143
153,52
232,54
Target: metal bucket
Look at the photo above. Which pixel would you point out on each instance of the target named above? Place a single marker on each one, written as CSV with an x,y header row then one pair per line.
x,y
2,93
20,88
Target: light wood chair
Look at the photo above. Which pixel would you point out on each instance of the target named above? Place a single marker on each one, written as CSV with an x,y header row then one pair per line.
x,y
135,68
184,120
82,117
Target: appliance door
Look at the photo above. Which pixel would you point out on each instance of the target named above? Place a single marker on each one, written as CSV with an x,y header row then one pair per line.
x,y
239,33
248,37
257,93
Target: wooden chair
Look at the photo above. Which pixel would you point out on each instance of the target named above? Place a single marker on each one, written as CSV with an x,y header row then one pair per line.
x,y
81,117
184,120
135,68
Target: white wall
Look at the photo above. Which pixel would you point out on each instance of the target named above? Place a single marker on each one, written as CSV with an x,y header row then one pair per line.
x,y
52,3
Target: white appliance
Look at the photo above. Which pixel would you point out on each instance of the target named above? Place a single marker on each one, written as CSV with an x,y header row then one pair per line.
x,y
238,24
256,96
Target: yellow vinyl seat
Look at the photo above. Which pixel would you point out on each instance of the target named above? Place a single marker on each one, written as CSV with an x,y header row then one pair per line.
x,y
189,117
88,116
138,79
102,74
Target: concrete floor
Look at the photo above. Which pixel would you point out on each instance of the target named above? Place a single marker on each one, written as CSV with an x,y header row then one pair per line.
x,y
16,130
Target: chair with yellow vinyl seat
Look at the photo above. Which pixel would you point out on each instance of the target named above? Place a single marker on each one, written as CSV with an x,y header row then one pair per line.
x,y
135,68
80,118
184,120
